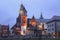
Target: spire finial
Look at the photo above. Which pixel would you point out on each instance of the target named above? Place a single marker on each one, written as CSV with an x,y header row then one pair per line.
x,y
41,16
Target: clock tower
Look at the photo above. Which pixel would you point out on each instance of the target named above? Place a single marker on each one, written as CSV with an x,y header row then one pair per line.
x,y
23,15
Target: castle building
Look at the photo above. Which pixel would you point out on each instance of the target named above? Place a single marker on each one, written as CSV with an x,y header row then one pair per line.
x,y
22,24
28,26
32,27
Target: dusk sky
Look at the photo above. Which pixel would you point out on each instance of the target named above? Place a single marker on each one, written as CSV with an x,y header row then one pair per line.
x,y
9,9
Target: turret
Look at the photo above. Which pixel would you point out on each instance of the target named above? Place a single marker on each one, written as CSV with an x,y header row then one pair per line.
x,y
33,21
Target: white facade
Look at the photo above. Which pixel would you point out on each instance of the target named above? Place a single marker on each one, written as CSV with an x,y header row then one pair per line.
x,y
58,26
23,30
51,27
45,27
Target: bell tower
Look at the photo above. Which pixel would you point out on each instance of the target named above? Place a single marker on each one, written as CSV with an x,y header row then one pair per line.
x,y
23,15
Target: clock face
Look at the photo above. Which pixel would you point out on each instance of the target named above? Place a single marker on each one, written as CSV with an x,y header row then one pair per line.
x,y
21,12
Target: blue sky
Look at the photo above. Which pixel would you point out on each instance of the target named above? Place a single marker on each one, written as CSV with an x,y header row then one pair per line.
x,y
9,9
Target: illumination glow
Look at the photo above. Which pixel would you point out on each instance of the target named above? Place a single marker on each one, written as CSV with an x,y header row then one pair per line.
x,y
23,30
40,27
21,12
22,33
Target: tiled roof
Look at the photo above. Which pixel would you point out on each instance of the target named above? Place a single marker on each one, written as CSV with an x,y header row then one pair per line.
x,y
42,20
55,18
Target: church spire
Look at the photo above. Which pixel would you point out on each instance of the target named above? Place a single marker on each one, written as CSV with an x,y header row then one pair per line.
x,y
41,16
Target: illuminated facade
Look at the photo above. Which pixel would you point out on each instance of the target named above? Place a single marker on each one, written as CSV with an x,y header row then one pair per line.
x,y
33,21
23,14
32,27
21,23
28,26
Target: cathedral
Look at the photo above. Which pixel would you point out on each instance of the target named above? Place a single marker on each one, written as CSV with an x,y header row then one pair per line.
x,y
28,26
